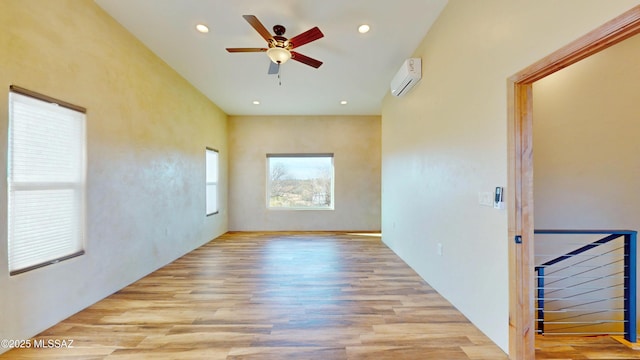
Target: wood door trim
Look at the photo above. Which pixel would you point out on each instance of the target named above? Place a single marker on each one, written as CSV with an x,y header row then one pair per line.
x,y
520,170
610,33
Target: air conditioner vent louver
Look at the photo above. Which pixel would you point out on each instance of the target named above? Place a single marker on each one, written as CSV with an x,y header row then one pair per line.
x,y
406,78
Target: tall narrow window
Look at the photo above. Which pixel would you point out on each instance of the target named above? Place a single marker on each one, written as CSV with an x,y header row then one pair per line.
x,y
45,180
212,163
300,181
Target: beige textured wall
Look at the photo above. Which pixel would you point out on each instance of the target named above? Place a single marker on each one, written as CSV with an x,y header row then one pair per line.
x,y
446,141
587,153
355,142
147,131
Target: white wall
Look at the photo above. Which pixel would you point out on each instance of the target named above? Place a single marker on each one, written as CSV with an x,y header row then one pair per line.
x,y
355,143
147,130
446,141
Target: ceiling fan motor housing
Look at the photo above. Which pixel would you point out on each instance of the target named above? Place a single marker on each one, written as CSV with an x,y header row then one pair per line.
x,y
279,29
281,42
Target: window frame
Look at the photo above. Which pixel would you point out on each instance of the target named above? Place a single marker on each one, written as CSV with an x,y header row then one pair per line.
x,y
268,188
212,182
17,186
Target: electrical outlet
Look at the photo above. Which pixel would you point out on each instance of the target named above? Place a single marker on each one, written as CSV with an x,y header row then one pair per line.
x,y
439,249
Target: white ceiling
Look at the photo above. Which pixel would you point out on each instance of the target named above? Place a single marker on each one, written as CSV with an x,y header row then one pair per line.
x,y
357,68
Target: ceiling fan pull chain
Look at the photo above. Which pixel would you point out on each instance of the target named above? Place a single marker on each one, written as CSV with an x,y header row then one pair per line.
x,y
279,79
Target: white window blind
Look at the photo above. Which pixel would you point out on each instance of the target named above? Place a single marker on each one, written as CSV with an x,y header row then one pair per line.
x,y
46,183
212,164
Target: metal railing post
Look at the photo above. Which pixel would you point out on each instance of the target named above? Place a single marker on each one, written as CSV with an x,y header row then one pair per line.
x,y
540,271
630,282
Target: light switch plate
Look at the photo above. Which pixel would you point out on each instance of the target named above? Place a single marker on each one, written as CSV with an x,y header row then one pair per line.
x,y
485,198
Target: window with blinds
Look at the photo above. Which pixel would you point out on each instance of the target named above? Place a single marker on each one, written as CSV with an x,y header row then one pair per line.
x,y
45,180
211,165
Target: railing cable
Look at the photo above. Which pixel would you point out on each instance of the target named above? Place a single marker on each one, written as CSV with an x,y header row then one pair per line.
x,y
578,289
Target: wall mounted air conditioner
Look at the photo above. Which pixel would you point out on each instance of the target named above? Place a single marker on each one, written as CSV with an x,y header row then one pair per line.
x,y
409,74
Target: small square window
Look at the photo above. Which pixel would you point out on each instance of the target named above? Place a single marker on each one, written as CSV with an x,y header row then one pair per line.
x,y
300,181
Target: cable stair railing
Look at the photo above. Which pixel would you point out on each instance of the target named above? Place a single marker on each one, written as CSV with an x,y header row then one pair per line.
x,y
590,290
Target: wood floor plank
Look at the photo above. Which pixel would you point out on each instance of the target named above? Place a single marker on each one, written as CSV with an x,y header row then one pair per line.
x,y
552,347
320,295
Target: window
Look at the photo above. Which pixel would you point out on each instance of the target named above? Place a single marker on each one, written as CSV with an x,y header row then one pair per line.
x,y
45,180
212,164
300,181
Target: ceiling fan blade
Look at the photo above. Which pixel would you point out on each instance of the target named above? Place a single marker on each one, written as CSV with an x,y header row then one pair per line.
x,y
235,50
305,59
253,21
273,68
306,37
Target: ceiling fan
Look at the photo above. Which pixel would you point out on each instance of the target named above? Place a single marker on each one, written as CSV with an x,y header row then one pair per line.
x,y
279,47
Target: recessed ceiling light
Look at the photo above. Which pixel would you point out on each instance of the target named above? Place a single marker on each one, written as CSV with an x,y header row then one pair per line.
x,y
343,102
364,28
202,28
256,102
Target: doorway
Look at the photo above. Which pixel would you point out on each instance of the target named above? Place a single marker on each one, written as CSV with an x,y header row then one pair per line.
x,y
520,171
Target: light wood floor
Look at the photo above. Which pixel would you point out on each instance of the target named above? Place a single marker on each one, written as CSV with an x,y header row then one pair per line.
x,y
550,347
288,296
274,296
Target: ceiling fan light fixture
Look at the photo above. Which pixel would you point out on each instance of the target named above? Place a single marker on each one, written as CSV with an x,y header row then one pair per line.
x,y
278,55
